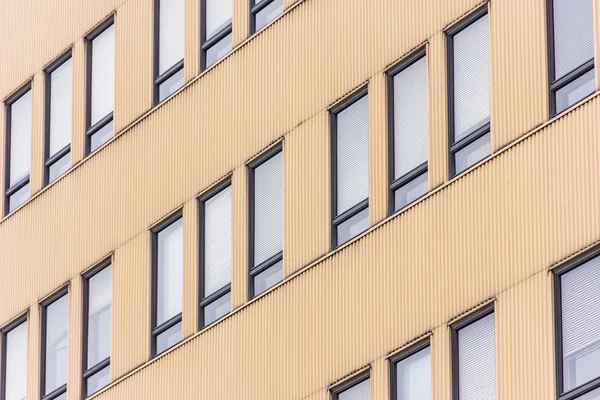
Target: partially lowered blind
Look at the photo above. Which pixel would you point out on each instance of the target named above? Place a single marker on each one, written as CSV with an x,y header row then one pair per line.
x,y
573,34
16,363
360,391
217,241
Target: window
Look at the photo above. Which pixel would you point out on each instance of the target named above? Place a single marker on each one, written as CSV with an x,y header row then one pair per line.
x,y
18,145
100,86
411,373
469,91
474,357
571,52
167,281
578,330
215,254
55,355
97,328
350,168
263,12
169,16
409,129
14,360
266,221
357,388
217,39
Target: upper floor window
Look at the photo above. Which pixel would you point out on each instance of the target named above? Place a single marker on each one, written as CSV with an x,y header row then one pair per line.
x,y
411,374
571,39
217,39
350,168
14,360
409,129
358,388
266,221
169,47
100,86
55,354
469,92
263,12
18,149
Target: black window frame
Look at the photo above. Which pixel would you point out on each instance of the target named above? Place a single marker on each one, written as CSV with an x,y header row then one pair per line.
x,y
349,383
44,306
208,43
4,331
364,204
401,356
417,172
255,9
479,132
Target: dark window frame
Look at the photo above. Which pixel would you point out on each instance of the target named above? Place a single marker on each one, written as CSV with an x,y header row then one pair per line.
x,y
401,356
349,383
479,132
10,190
395,184
91,130
44,306
558,272
4,331
255,9
208,43
364,204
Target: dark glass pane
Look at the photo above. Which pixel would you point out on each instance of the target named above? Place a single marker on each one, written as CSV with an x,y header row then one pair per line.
x,y
218,50
353,226
268,278
575,91
217,309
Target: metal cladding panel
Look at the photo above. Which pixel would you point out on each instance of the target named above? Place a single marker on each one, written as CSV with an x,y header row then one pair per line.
x,y
437,77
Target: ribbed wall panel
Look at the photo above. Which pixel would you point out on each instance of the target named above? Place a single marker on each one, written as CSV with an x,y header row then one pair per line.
x,y
378,150
191,278
79,107
437,78
597,41
239,242
240,21
34,319
441,363
75,338
37,131
192,39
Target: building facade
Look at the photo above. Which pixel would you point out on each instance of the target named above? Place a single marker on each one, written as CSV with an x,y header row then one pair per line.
x,y
300,199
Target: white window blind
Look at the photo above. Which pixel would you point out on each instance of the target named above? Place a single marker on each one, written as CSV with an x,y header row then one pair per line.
x,y
57,323
411,121
103,74
99,316
471,77
217,241
268,209
170,272
171,33
61,106
477,360
20,138
353,155
16,363
413,376
360,391
573,34
218,14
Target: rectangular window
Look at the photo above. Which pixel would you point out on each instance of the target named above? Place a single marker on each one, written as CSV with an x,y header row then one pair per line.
x,y
97,328
350,168
18,149
262,12
571,52
411,373
357,388
215,254
55,354
578,330
100,86
14,360
474,356
169,47
409,129
266,221
167,278
216,32
469,92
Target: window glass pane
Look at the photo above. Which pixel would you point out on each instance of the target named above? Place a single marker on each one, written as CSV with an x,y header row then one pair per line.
x,y
16,363
268,278
61,397
97,381
413,376
573,34
471,78
472,154
580,292
61,106
170,272
352,155
575,91
20,138
102,136
477,360
353,226
217,241
411,191
57,322
218,50
360,391
18,198
103,74
410,118
268,14
168,338
171,34
268,209
59,167
217,309
218,15
171,85
99,316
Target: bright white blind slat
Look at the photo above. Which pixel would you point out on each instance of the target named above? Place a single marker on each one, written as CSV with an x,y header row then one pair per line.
x,y
573,34
361,391
477,360
353,155
61,106
217,240
20,138
103,74
16,363
171,33
414,376
218,14
410,117
471,77
99,316
170,272
57,323
268,209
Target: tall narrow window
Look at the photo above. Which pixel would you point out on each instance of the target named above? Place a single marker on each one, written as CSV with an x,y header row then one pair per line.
x,y
358,388
100,86
469,91
14,360
571,52
18,149
409,126
55,355
169,46
411,374
266,222
578,330
167,284
263,12
350,168
216,33
97,328
474,357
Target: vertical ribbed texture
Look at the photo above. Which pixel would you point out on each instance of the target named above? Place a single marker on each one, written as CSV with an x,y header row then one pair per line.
x,y
192,38
380,384
38,93
190,267
75,336
441,364
34,320
597,42
3,157
240,21
378,149
239,218
78,55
